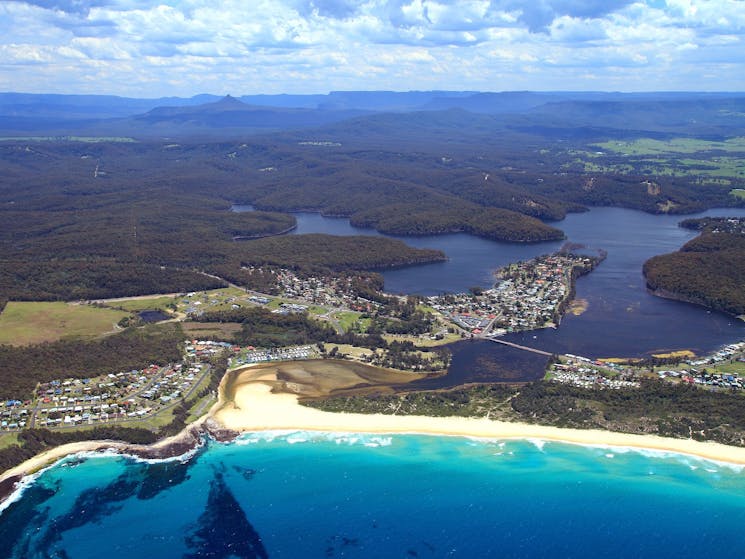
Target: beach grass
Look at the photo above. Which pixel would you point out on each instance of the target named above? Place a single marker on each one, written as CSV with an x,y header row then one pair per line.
x,y
201,407
680,354
152,422
24,323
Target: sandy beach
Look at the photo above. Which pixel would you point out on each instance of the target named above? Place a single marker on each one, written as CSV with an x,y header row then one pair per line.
x,y
255,408
255,399
56,453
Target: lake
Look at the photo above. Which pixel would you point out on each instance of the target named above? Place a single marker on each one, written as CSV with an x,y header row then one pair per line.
x,y
622,318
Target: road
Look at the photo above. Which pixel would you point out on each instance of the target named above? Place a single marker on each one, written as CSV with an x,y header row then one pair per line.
x,y
517,346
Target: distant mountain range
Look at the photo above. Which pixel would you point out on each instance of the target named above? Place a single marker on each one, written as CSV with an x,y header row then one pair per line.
x,y
542,113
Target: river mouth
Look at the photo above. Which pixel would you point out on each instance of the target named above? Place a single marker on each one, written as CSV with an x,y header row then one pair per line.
x,y
474,362
321,378
484,362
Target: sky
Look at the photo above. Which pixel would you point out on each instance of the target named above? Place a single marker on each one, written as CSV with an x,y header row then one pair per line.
x,y
143,48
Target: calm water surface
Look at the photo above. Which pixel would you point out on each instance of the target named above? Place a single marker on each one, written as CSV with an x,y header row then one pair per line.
x,y
622,319
362,496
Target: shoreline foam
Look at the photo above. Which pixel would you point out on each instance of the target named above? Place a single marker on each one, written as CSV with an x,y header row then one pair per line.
x,y
255,408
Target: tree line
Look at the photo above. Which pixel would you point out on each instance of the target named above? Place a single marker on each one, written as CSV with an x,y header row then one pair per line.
x,y
21,368
708,270
662,408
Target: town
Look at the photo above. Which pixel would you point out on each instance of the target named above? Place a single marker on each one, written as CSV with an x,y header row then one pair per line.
x,y
722,370
126,396
527,295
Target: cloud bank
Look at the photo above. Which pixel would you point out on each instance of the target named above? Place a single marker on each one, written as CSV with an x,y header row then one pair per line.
x,y
147,48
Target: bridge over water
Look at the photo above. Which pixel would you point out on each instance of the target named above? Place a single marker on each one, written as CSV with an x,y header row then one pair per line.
x,y
518,346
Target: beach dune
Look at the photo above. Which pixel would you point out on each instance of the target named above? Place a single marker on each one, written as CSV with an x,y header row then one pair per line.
x,y
255,399
254,404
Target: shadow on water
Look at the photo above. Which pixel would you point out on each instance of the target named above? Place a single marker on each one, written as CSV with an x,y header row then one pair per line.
x,y
44,534
476,361
223,531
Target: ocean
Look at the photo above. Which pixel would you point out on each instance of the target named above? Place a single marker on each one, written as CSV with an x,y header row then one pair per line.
x,y
324,495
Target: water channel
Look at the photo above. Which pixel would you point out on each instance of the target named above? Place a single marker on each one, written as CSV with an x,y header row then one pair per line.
x,y
622,318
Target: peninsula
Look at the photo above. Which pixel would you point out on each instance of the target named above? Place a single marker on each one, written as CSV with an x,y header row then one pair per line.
x,y
708,270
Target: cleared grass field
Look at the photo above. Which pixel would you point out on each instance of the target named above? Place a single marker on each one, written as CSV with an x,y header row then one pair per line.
x,y
135,305
349,319
423,341
214,300
711,161
648,146
8,439
716,170
23,323
739,192
224,331
735,367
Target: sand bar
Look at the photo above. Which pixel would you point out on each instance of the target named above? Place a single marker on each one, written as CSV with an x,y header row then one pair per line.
x,y
255,408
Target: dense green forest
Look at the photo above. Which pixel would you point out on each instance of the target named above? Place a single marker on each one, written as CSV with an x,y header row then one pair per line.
x,y
71,279
36,441
328,252
263,328
115,219
708,270
135,348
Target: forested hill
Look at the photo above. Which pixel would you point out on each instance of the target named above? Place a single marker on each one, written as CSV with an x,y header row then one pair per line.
x,y
115,219
107,216
110,221
708,270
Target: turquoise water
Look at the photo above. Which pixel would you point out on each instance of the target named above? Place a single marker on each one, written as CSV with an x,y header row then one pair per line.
x,y
324,495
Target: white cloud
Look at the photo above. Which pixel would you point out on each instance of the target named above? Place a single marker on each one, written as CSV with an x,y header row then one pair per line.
x,y
147,48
